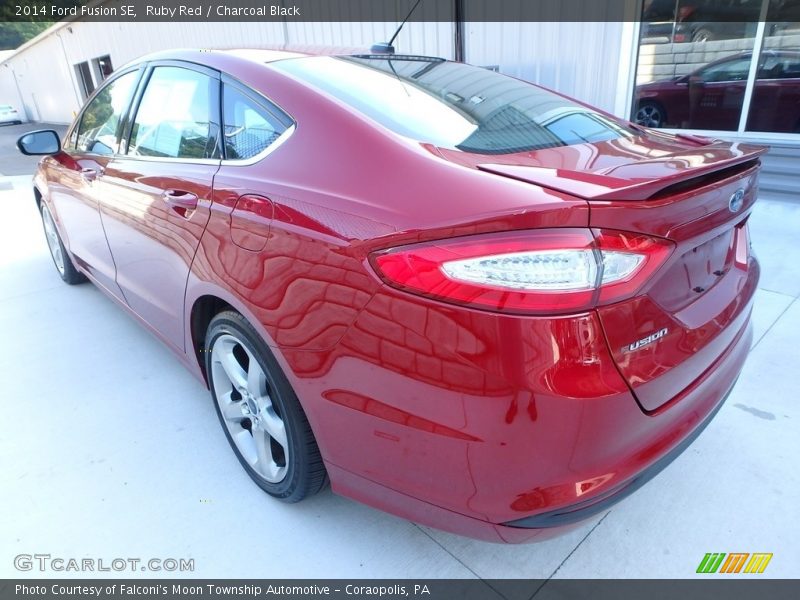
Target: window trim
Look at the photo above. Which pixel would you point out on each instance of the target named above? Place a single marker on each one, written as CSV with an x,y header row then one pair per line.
x,y
215,102
76,124
260,99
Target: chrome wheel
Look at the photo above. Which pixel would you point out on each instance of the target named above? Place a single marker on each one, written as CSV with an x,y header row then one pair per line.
x,y
242,393
702,36
649,115
52,239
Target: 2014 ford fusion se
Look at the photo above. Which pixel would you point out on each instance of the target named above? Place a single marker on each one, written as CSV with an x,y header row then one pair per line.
x,y
457,296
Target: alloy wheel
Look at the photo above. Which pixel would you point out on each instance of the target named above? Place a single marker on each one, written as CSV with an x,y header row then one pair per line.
x,y
649,115
52,239
254,423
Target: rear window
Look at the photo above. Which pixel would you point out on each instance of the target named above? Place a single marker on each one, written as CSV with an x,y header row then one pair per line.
x,y
454,105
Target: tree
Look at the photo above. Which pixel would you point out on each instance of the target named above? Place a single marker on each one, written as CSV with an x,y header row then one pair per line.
x,y
17,27
13,35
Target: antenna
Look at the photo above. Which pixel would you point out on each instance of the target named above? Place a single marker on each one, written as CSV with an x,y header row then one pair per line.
x,y
386,47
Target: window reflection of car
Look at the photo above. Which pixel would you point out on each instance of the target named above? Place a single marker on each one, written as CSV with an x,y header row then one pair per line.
x,y
101,140
576,126
711,97
173,138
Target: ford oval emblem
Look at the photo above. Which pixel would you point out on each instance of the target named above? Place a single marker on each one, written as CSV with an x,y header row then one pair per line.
x,y
736,201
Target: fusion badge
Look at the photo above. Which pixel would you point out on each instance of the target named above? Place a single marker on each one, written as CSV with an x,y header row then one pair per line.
x,y
653,337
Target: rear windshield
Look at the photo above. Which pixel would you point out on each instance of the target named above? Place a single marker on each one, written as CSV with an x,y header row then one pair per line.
x,y
454,105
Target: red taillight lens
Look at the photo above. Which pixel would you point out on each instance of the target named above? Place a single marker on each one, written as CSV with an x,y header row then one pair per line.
x,y
538,271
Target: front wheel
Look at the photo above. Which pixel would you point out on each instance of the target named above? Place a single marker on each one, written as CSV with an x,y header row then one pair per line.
x,y
260,413
66,269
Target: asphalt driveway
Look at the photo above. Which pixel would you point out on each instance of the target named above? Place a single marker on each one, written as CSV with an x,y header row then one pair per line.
x,y
111,449
12,162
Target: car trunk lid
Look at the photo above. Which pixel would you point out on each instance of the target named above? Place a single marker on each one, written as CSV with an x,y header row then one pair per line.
x,y
670,336
697,194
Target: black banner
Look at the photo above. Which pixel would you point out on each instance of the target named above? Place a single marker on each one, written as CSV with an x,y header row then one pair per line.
x,y
356,10
393,10
438,589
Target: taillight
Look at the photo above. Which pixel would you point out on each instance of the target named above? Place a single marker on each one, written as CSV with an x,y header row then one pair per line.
x,y
535,271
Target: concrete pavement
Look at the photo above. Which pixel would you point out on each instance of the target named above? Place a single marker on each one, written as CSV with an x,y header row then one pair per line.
x,y
111,449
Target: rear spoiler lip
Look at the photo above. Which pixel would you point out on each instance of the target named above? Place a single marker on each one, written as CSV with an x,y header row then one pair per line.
x,y
602,185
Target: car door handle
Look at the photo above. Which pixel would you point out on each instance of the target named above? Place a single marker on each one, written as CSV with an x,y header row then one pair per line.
x,y
90,174
180,199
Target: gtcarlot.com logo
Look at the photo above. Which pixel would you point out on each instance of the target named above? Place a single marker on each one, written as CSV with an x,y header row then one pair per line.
x,y
58,564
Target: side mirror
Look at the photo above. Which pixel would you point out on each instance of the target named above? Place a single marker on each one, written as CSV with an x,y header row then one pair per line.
x,y
44,141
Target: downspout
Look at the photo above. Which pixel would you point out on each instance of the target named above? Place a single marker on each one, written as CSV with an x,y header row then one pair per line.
x,y
70,70
19,90
458,40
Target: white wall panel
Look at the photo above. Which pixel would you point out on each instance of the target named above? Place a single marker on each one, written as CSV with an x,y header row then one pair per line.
x,y
582,60
45,81
432,39
8,88
45,70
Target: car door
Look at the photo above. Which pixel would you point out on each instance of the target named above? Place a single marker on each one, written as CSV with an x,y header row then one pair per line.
x,y
716,95
73,176
776,95
157,190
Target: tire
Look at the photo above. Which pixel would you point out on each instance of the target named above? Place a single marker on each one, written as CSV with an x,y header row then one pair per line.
x,y
259,411
61,258
703,35
650,114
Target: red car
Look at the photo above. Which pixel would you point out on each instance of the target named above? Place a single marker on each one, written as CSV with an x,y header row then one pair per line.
x,y
711,97
459,297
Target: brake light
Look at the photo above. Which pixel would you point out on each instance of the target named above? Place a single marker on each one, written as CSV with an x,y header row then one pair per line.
x,y
536,271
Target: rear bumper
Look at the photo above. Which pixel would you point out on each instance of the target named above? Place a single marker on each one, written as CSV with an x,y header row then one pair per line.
x,y
589,508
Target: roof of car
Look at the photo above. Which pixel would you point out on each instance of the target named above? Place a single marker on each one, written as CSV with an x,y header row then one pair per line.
x,y
264,55
217,57
233,60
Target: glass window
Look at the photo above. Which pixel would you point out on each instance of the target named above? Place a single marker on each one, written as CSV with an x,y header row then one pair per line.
x,y
577,126
729,69
694,60
102,67
84,75
775,104
97,132
249,127
454,105
176,116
